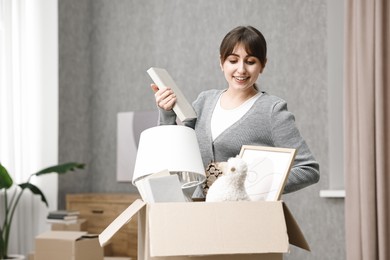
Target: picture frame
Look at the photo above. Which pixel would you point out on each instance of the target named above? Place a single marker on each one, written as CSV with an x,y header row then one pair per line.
x,y
268,170
130,125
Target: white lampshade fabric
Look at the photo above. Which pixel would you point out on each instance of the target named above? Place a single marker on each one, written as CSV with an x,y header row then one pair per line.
x,y
168,147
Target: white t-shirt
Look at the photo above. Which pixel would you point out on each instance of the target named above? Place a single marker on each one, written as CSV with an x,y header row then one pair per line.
x,y
224,118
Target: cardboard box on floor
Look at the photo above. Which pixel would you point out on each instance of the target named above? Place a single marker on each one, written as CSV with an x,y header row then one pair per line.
x,y
80,225
67,245
30,256
211,231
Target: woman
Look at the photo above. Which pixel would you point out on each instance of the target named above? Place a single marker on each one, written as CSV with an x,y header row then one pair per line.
x,y
242,114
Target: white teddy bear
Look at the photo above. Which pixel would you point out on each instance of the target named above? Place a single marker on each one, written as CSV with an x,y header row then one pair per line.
x,y
231,185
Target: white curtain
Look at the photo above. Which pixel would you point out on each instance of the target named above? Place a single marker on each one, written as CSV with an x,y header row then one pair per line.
x,y
29,108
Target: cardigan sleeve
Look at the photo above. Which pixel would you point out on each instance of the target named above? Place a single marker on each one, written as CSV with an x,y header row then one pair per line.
x,y
305,170
166,117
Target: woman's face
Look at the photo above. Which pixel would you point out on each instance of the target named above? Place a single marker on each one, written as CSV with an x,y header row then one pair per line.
x,y
240,69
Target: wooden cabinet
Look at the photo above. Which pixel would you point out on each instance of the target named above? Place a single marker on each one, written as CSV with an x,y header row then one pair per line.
x,y
100,209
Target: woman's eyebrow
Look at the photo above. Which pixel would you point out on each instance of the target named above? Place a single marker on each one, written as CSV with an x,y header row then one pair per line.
x,y
233,54
247,56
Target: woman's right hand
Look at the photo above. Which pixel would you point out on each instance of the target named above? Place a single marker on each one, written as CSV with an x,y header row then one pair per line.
x,y
165,98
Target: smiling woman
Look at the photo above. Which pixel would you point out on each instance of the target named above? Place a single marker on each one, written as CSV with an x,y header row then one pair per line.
x,y
243,114
29,107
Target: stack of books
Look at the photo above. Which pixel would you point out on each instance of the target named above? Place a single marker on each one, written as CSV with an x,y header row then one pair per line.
x,y
63,216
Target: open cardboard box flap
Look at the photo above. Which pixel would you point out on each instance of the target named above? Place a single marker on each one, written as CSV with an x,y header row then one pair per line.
x,y
200,228
120,221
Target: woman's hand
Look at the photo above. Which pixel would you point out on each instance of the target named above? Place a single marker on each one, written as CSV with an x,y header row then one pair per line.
x,y
165,98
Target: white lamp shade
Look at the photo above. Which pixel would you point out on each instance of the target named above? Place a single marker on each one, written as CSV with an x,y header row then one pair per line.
x,y
168,147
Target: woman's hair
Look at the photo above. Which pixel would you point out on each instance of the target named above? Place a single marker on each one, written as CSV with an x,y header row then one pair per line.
x,y
252,39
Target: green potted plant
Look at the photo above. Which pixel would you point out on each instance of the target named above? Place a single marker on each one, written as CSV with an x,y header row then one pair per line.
x,y
11,202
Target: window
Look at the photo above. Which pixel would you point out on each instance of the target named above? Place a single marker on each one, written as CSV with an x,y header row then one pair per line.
x,y
335,24
29,107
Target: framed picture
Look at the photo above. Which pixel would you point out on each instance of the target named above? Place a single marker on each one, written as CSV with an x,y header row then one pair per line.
x,y
268,169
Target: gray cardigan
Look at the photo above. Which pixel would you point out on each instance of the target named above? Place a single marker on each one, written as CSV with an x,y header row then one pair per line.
x,y
267,123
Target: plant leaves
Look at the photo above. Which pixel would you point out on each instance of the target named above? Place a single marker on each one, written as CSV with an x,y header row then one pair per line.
x,y
61,168
5,179
34,189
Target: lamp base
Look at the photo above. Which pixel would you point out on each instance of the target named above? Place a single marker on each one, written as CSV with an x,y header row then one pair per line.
x,y
190,182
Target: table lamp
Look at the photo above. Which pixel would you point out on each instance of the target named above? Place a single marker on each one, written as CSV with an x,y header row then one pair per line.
x,y
171,147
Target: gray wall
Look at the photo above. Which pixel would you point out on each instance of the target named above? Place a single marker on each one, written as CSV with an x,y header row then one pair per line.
x,y
107,46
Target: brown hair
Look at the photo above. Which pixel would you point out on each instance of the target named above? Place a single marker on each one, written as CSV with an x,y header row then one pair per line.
x,y
252,39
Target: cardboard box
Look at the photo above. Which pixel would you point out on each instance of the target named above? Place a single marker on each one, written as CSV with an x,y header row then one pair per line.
x,y
67,245
212,231
30,256
80,225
